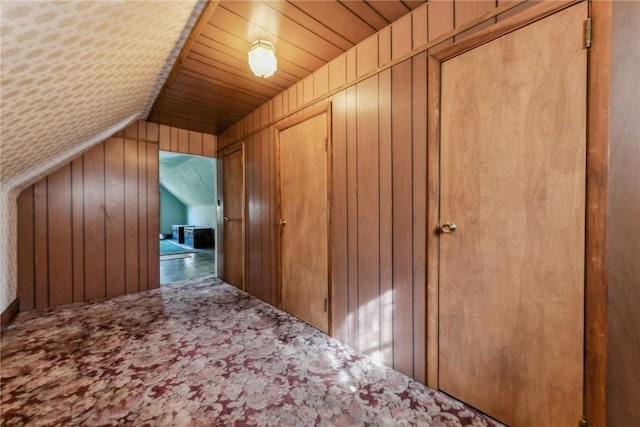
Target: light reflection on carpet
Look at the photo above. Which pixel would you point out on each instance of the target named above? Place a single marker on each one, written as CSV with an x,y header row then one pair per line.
x,y
201,352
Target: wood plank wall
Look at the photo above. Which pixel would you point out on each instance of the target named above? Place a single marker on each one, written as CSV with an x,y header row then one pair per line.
x,y
623,229
378,241
89,230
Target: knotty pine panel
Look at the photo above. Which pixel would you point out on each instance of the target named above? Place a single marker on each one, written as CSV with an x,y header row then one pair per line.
x,y
90,229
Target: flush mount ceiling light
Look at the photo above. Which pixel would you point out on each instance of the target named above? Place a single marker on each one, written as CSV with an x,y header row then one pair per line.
x,y
262,58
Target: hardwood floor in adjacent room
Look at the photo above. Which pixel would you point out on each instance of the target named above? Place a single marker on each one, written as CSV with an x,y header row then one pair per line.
x,y
174,268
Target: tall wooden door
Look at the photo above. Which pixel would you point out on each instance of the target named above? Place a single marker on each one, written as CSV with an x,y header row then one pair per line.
x,y
304,220
511,283
233,211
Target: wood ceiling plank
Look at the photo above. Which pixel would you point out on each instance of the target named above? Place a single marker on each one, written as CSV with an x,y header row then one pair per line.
x,y
233,24
261,18
390,10
229,75
206,97
336,16
209,56
365,13
297,14
227,42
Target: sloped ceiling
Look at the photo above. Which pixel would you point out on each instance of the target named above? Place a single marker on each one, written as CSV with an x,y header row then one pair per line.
x,y
71,70
191,179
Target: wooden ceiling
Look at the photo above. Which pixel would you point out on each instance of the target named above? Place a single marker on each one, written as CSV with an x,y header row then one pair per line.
x,y
211,87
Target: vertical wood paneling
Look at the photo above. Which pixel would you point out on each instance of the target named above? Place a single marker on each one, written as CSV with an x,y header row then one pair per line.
x,y
384,46
131,132
153,217
352,214
250,284
114,216
419,26
59,236
339,258
300,87
351,65
401,37
142,130
419,157
131,214
386,218
94,223
402,217
153,132
208,145
623,226
267,202
175,146
26,268
368,214
467,10
321,82
439,18
165,138
77,194
41,256
90,229
143,245
272,217
367,56
195,143
337,72
183,140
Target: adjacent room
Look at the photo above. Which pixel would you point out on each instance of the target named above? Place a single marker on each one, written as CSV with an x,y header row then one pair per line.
x,y
188,211
336,212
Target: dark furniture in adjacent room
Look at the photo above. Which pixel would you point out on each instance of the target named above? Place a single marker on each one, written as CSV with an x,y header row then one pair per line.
x,y
198,237
178,232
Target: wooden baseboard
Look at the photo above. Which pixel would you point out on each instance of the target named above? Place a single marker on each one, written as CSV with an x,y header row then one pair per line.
x,y
9,313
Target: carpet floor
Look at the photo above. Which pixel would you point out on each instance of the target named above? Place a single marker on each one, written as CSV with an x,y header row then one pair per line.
x,y
200,353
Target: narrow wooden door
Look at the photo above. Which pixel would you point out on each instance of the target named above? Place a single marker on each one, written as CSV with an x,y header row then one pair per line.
x,y
513,183
233,211
304,220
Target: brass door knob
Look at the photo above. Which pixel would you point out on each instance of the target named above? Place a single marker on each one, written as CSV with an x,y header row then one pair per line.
x,y
282,222
226,219
447,227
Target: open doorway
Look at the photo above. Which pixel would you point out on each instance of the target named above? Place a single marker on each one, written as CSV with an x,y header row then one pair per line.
x,y
187,216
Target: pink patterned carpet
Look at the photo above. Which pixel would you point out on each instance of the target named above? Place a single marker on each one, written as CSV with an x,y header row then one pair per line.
x,y
200,353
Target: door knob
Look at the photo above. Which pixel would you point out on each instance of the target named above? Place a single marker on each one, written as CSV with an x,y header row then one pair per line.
x,y
447,227
282,222
226,219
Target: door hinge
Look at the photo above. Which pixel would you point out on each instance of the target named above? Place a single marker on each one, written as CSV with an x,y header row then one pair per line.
x,y
587,33
582,423
326,305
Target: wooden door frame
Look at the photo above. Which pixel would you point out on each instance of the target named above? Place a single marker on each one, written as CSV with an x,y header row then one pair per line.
x,y
323,109
595,306
240,146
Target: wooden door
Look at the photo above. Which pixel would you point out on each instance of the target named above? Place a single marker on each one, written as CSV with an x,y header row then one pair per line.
x,y
511,283
233,220
304,207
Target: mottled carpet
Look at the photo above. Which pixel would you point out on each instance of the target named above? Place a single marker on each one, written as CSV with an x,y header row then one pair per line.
x,y
200,352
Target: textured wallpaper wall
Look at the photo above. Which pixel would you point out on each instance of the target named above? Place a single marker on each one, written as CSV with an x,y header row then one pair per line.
x,y
70,73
